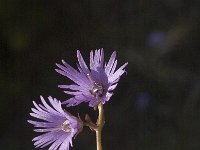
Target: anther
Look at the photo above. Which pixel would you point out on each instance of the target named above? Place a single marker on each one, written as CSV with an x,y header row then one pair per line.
x,y
96,88
65,126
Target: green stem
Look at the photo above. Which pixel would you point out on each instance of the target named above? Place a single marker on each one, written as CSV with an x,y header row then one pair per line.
x,y
100,123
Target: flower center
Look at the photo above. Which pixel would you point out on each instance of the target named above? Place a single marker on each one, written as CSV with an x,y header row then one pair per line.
x,y
96,88
65,126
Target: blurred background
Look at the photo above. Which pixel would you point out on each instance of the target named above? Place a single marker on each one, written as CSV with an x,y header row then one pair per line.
x,y
156,104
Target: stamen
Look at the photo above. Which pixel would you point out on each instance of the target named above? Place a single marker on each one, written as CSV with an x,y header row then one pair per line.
x,y
97,88
65,126
90,78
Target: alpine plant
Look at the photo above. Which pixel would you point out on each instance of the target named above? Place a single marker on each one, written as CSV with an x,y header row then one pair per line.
x,y
93,83
57,127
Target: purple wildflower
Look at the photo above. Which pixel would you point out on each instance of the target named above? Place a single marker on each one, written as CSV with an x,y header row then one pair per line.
x,y
94,84
58,127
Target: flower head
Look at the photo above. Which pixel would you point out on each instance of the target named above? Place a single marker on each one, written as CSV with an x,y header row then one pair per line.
x,y
93,84
57,126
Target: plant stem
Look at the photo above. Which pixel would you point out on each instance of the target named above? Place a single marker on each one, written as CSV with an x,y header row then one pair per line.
x,y
100,123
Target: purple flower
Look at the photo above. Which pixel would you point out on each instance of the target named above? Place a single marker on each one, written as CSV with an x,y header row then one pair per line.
x,y
92,84
58,127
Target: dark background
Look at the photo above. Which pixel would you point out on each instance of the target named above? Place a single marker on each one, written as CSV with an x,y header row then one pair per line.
x,y
156,105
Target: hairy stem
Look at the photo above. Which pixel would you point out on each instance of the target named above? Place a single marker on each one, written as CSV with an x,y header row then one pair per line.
x,y
100,123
